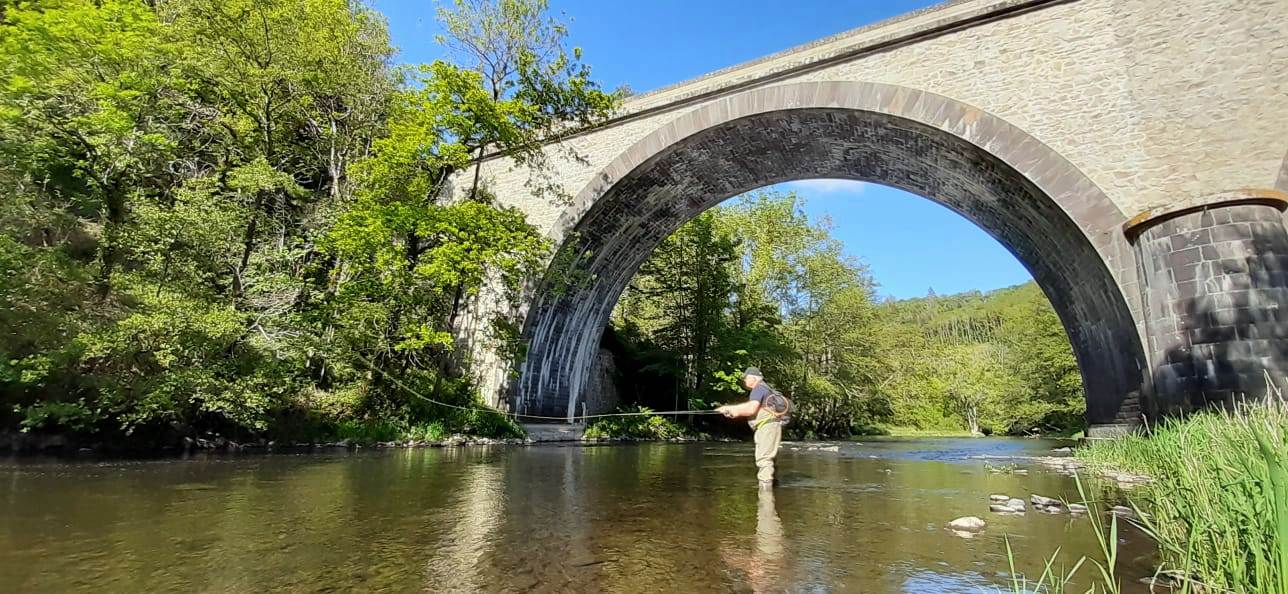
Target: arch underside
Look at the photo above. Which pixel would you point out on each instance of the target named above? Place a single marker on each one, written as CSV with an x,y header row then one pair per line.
x,y
618,232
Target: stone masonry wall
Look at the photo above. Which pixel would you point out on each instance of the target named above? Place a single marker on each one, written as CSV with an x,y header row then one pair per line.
x,y
601,392
1130,91
1216,288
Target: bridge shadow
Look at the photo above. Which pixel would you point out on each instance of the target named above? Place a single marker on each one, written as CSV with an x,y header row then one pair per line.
x,y
1231,339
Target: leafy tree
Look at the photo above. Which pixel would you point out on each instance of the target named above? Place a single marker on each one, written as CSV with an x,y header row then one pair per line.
x,y
686,286
534,88
93,109
235,216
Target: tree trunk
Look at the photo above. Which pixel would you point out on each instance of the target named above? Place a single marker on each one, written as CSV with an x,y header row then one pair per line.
x,y
248,246
115,217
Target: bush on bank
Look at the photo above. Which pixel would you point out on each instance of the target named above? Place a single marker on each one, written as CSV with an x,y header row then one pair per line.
x,y
638,426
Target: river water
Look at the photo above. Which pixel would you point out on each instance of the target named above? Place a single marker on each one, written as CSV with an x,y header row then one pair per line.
x,y
635,518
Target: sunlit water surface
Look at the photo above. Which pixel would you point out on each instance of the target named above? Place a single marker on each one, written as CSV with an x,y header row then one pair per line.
x,y
641,518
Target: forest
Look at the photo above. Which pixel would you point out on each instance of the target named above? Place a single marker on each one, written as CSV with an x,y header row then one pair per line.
x,y
243,218
756,282
234,218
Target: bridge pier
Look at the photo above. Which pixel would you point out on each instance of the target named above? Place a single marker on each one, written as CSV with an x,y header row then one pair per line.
x,y
1213,276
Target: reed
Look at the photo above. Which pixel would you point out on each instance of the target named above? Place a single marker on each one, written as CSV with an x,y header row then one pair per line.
x,y
1218,505
1060,581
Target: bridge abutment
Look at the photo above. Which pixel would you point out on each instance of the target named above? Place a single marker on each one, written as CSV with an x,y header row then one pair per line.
x,y
1213,276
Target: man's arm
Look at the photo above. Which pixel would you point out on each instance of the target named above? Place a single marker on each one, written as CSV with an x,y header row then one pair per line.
x,y
742,409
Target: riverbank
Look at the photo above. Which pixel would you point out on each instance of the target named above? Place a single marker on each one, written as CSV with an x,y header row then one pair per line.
x,y
474,425
895,431
1217,503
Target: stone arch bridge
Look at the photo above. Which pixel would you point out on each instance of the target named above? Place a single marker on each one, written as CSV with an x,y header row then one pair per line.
x,y
1132,154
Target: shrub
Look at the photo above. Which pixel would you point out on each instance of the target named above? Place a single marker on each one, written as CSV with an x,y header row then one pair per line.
x,y
640,424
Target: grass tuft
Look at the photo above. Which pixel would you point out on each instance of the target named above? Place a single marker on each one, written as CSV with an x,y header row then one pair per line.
x,y
1218,506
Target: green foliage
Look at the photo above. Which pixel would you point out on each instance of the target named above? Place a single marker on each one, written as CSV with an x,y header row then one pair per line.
x,y
646,426
529,87
1217,505
174,359
236,216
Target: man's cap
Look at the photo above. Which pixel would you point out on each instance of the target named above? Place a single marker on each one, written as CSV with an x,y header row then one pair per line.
x,y
752,371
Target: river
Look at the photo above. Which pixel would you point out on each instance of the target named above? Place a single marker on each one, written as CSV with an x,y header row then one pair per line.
x,y
633,518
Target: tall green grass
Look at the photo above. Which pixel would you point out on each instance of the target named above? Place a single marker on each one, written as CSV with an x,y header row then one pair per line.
x,y
1218,504
1059,580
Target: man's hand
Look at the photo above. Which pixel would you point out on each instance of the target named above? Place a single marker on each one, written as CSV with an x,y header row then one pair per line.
x,y
742,409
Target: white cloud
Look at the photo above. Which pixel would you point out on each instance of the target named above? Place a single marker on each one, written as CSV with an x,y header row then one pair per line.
x,y
827,186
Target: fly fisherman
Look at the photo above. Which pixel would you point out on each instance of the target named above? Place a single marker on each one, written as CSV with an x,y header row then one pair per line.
x,y
768,410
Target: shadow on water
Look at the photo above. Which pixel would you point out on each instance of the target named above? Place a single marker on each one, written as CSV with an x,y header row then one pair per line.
x,y
649,517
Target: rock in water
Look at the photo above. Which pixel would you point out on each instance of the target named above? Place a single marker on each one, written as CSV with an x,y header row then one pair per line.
x,y
1041,501
998,498
1016,504
967,524
1077,508
1123,512
1001,508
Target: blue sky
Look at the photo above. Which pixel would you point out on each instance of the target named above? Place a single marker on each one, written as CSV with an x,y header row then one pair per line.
x,y
910,244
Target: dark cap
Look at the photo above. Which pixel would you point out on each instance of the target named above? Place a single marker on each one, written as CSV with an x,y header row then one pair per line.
x,y
752,371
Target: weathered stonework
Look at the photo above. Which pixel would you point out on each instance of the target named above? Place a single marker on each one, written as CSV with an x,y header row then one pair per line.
x,y
1047,122
601,392
1215,286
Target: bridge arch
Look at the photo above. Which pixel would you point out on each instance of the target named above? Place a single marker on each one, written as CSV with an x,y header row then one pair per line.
x,y
1034,202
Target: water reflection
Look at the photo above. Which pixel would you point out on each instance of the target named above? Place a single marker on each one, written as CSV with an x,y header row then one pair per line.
x,y
766,563
542,519
470,538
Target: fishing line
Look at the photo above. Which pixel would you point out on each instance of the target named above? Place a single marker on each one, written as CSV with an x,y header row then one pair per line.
x,y
516,416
